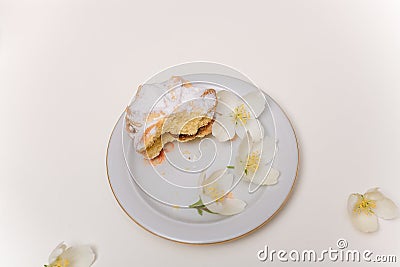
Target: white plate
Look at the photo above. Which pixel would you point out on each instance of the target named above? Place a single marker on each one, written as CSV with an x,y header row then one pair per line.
x,y
130,178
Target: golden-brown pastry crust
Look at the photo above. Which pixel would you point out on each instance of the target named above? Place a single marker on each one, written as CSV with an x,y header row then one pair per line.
x,y
183,114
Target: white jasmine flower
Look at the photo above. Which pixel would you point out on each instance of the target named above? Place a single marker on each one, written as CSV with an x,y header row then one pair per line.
x,y
254,159
365,209
80,256
215,193
234,116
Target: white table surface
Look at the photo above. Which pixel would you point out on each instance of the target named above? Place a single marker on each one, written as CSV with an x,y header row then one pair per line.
x,y
68,68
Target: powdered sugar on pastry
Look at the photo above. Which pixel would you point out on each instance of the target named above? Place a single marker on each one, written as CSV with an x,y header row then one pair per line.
x,y
175,107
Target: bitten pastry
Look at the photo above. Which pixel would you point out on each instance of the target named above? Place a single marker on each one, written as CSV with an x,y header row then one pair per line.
x,y
173,110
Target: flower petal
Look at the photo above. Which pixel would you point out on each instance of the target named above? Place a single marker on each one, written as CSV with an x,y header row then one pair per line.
x,y
223,129
255,129
365,222
217,185
386,209
351,203
261,177
229,206
80,256
240,129
240,165
374,194
213,206
219,176
256,101
244,149
228,99
232,206
272,177
267,148
223,109
245,146
57,252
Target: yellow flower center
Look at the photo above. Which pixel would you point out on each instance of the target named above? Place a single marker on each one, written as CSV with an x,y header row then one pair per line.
x,y
59,262
240,113
364,205
253,162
